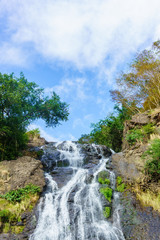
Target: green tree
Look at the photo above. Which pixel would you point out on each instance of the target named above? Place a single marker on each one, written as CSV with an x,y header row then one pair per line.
x,y
22,102
109,131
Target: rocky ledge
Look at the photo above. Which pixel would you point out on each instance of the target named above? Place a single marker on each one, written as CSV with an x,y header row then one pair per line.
x,y
17,174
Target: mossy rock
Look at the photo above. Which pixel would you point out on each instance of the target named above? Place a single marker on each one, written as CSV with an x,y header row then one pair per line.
x,y
103,175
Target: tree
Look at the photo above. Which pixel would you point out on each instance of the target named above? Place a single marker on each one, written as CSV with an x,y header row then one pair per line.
x,y
139,88
109,131
22,102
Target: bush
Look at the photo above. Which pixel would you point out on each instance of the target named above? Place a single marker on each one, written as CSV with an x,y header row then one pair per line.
x,y
35,133
5,215
107,212
138,135
134,136
107,192
21,193
152,166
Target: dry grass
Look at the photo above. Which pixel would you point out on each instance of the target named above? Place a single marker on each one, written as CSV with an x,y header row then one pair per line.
x,y
148,199
154,136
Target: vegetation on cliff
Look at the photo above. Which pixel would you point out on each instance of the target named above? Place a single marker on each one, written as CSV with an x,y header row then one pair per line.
x,y
21,102
13,204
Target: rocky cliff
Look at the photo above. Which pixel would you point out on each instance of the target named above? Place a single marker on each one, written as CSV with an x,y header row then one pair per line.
x,y
18,219
141,200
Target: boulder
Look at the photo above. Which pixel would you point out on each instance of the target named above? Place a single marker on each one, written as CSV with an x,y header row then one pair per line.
x,y
18,173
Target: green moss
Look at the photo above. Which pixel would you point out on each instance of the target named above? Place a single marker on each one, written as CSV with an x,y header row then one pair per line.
x,y
107,212
107,192
17,229
120,185
119,180
104,181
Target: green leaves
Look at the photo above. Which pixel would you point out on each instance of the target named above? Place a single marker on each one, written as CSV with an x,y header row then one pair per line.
x,y
139,134
22,102
110,130
152,166
21,193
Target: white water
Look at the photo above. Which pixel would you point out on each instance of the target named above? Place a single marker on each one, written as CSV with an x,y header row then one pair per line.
x,y
75,211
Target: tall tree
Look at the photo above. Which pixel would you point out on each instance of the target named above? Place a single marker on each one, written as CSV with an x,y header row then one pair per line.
x,y
21,102
139,88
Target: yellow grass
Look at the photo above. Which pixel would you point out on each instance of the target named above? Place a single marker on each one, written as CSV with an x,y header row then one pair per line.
x,y
148,198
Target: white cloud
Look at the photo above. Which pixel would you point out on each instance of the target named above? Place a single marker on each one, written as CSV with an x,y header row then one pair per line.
x,y
11,54
72,88
86,33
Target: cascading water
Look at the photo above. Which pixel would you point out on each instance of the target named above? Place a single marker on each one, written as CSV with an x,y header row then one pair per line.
x,y
75,211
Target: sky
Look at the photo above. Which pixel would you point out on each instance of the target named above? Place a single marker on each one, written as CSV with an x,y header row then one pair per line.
x,y
75,48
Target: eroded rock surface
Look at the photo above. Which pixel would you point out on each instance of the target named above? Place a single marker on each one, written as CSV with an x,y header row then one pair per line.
x,y
18,173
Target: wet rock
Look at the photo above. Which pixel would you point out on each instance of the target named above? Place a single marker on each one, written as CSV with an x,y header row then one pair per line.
x,y
62,175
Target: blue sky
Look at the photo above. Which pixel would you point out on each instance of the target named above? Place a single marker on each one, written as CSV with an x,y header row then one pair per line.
x,y
75,48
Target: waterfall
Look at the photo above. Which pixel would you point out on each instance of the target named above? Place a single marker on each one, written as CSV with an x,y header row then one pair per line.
x,y
74,211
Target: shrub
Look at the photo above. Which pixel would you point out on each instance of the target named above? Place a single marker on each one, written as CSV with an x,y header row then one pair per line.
x,y
136,134
107,192
35,133
21,193
107,212
152,166
5,215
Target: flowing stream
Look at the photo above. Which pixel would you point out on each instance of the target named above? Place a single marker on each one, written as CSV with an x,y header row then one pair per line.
x,y
74,211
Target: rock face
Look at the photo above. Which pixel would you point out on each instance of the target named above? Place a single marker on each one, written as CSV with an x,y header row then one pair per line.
x,y
18,173
37,142
138,222
56,163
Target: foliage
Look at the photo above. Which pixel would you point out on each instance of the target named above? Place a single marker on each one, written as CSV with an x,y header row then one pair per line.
x,y
134,136
107,212
5,215
35,133
107,192
85,138
110,130
22,102
139,134
152,166
21,193
10,212
139,87
104,181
